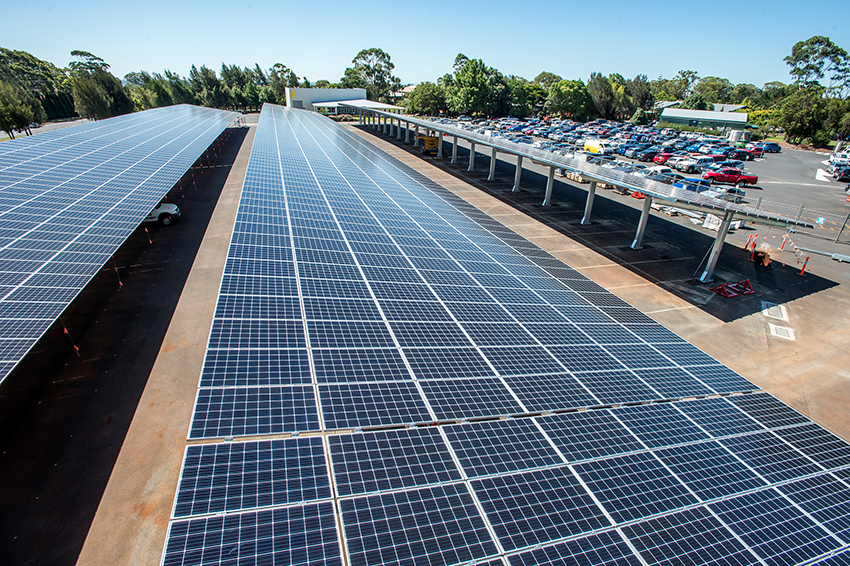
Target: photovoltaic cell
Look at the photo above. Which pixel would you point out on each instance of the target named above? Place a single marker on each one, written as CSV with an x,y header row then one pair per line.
x,y
818,444
826,499
634,486
395,459
537,507
550,392
349,405
603,549
290,535
247,475
495,447
612,387
718,417
774,528
255,367
768,410
588,435
659,425
364,364
688,538
435,526
770,457
459,398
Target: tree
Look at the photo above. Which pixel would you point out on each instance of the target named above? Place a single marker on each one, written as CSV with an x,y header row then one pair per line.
x,y
569,98
743,91
696,101
602,95
279,79
519,96
352,79
817,58
376,66
640,90
714,89
803,114
536,96
427,98
468,92
838,117
639,118
547,79
18,109
622,105
97,93
322,83
209,90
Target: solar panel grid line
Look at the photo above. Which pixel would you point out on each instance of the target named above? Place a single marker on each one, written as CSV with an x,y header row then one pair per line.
x,y
67,163
385,321
436,296
671,364
65,134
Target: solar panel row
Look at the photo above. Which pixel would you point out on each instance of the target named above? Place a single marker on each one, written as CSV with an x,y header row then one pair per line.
x,y
360,294
70,197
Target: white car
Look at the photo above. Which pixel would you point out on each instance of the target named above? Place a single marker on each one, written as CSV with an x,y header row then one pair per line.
x,y
731,194
165,214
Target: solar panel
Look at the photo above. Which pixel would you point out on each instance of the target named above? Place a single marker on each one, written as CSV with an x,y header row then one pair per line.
x,y
537,507
496,447
69,198
774,528
247,475
384,460
429,352
436,526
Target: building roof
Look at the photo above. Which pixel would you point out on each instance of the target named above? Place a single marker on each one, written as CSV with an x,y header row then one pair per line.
x,y
666,104
359,103
705,115
728,107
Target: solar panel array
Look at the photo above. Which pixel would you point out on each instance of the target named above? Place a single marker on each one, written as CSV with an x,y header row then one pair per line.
x,y
431,388
70,197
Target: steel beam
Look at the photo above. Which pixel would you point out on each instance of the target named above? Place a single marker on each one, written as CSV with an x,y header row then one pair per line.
x,y
517,174
716,247
644,216
588,206
492,175
550,182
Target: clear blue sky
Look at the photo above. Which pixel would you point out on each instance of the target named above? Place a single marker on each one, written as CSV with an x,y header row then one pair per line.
x,y
741,41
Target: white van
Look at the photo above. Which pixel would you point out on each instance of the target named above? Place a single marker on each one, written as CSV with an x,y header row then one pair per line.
x,y
599,147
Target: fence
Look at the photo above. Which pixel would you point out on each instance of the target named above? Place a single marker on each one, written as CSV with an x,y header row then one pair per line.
x,y
828,225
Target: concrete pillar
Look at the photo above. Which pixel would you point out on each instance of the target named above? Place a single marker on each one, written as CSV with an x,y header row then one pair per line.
x,y
415,136
716,247
588,206
387,124
471,156
454,149
492,175
644,216
550,182
440,145
517,174
406,132
398,135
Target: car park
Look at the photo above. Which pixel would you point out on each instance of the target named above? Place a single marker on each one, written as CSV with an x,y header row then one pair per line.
x,y
731,194
772,147
694,164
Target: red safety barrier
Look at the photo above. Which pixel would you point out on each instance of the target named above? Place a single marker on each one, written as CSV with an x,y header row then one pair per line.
x,y
638,194
730,290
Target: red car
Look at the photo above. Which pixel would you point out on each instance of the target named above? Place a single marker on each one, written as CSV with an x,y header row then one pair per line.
x,y
662,158
730,175
755,151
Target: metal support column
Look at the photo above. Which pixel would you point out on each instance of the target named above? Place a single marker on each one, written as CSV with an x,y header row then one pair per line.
x,y
454,149
398,134
387,124
588,206
716,247
471,156
439,145
550,182
416,136
492,175
644,216
406,132
517,174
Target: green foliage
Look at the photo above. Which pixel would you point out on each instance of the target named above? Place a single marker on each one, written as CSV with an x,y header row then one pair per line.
x,y
817,58
427,98
47,83
696,101
375,67
18,109
569,98
547,79
803,114
639,118
97,93
640,91
468,91
765,118
602,94
352,79
714,90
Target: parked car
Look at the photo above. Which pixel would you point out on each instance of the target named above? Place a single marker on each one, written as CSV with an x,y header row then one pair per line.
x,y
731,176
165,213
772,147
841,174
694,164
732,194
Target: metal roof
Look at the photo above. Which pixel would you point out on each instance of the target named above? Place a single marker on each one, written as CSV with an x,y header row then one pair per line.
x,y
610,176
359,103
728,107
736,117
